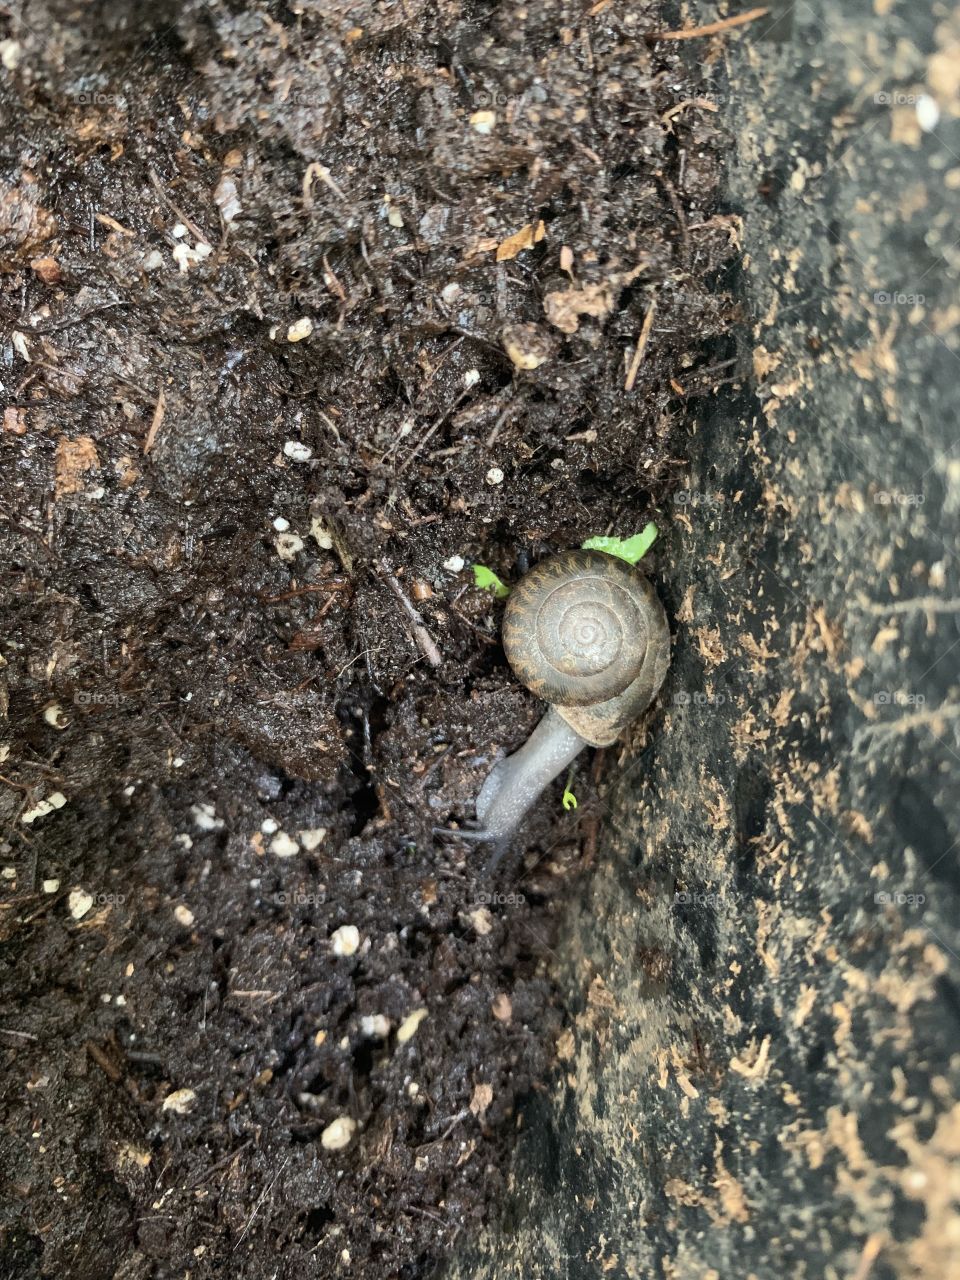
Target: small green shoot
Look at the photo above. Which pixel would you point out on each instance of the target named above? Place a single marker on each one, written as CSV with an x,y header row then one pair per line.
x,y
629,549
569,800
487,580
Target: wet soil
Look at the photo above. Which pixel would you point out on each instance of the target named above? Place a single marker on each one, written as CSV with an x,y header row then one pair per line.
x,y
303,314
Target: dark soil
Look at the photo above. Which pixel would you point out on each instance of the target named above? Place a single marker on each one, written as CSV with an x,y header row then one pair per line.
x,y
198,698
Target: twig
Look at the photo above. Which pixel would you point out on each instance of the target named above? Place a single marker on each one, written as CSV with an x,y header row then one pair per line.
x,y
184,218
428,435
712,28
920,604
106,1065
55,325
256,1208
231,1155
641,346
420,633
155,422
336,585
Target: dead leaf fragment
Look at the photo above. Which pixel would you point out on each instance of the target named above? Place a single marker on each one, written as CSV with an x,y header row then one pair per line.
x,y
47,270
73,460
480,1100
525,238
564,307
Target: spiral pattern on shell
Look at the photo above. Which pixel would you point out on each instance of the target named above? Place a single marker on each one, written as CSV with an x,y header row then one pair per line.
x,y
581,627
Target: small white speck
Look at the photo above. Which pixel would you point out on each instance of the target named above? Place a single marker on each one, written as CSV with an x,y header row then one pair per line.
x,y
494,476
183,915
128,791
289,546
284,846
79,903
10,51
311,837
184,840
345,940
50,886
339,1134
483,121
408,1027
56,800
928,113
178,762
205,817
181,1101
300,329
450,292
471,378
269,825
376,1026
454,564
297,451
281,525
321,534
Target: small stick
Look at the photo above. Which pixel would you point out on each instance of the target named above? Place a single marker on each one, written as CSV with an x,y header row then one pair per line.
x,y
106,1065
155,422
712,28
641,346
420,633
184,218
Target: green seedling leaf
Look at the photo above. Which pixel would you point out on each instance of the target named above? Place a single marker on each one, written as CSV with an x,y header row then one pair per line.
x,y
487,580
629,549
569,800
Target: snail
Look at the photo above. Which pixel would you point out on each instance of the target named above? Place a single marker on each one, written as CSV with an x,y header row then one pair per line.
x,y
584,631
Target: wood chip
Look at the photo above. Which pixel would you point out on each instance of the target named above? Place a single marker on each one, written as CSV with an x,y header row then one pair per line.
x,y
155,423
73,460
711,28
641,346
525,238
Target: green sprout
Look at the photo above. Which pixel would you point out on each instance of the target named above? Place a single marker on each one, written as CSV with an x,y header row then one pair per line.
x,y
487,580
629,549
569,800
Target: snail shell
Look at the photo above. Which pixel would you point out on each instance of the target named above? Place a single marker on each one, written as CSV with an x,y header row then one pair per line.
x,y
585,632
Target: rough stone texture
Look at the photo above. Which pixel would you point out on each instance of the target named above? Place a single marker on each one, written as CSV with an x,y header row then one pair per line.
x,y
761,1066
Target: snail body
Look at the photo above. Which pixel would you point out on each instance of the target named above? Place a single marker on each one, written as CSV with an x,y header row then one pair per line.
x,y
584,631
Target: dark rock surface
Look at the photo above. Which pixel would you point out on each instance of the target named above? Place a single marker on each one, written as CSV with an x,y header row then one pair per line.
x,y
761,1080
